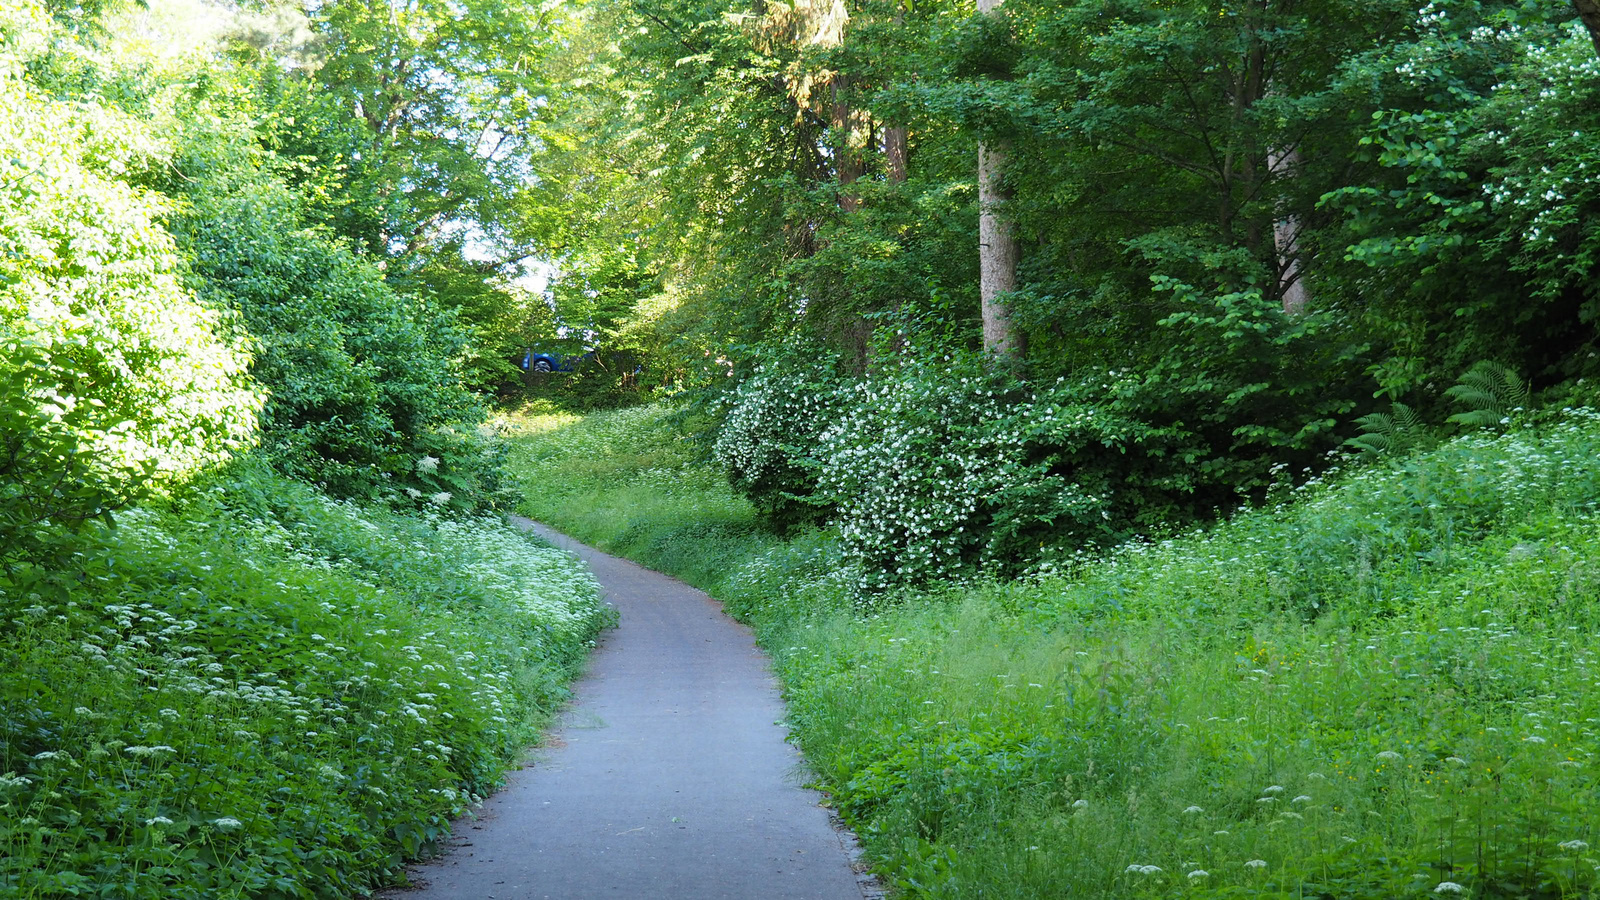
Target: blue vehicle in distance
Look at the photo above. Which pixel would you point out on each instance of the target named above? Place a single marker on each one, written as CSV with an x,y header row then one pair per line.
x,y
540,361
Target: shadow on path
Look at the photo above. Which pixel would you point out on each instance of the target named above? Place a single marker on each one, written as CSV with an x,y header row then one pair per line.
x,y
668,777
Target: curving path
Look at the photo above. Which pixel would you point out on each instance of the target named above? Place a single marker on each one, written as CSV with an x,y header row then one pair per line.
x,y
669,776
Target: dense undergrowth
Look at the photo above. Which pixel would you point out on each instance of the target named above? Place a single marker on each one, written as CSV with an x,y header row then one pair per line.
x,y
1380,685
263,692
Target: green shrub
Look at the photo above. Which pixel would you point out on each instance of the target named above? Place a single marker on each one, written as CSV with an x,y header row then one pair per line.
x,y
101,336
360,379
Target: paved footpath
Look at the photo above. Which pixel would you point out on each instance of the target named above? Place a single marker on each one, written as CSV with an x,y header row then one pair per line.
x,y
667,778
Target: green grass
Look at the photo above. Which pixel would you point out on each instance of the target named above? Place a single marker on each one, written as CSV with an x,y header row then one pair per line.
x,y
1385,685
261,692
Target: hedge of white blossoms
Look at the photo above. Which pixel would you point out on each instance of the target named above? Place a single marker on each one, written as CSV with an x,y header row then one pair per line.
x,y
768,441
927,474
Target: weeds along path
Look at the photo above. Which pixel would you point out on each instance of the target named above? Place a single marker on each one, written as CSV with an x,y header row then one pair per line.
x,y
668,778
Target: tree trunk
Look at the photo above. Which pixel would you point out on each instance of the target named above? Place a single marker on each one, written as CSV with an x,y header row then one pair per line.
x,y
849,163
998,251
894,152
1286,237
895,137
1589,12
997,244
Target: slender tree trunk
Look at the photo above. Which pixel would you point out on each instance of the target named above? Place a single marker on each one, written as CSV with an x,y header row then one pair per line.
x,y
895,138
849,163
1286,237
998,249
1589,12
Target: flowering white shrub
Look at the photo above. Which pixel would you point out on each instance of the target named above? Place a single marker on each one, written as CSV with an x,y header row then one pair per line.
x,y
768,442
937,470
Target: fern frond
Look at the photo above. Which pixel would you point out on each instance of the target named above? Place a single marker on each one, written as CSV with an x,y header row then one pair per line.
x,y
1393,432
1492,393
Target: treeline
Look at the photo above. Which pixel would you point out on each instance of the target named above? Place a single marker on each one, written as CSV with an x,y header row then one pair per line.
x,y
1222,234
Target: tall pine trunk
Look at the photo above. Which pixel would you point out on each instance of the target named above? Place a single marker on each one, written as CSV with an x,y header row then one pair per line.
x,y
998,249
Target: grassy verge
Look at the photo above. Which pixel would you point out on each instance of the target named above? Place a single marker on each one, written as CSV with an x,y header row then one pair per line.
x,y
266,693
1384,686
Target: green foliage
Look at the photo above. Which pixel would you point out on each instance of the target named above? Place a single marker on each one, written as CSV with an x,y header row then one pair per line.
x,y
88,276
362,380
1379,686
769,440
264,692
1393,433
48,478
115,383
1493,395
1537,134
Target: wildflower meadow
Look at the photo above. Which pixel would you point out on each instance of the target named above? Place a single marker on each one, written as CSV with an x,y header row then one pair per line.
x,y
264,692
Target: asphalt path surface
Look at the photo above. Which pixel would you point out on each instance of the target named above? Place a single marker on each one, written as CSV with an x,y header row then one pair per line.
x,y
668,777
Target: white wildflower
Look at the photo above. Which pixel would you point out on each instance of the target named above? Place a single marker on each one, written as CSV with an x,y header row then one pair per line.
x,y
428,464
1198,874
1255,864
1448,887
1192,810
1574,846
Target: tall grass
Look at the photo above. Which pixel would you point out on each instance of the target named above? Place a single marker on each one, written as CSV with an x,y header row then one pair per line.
x,y
1383,685
262,692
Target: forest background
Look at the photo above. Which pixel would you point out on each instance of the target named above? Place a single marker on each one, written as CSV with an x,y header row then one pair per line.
x,y
277,264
